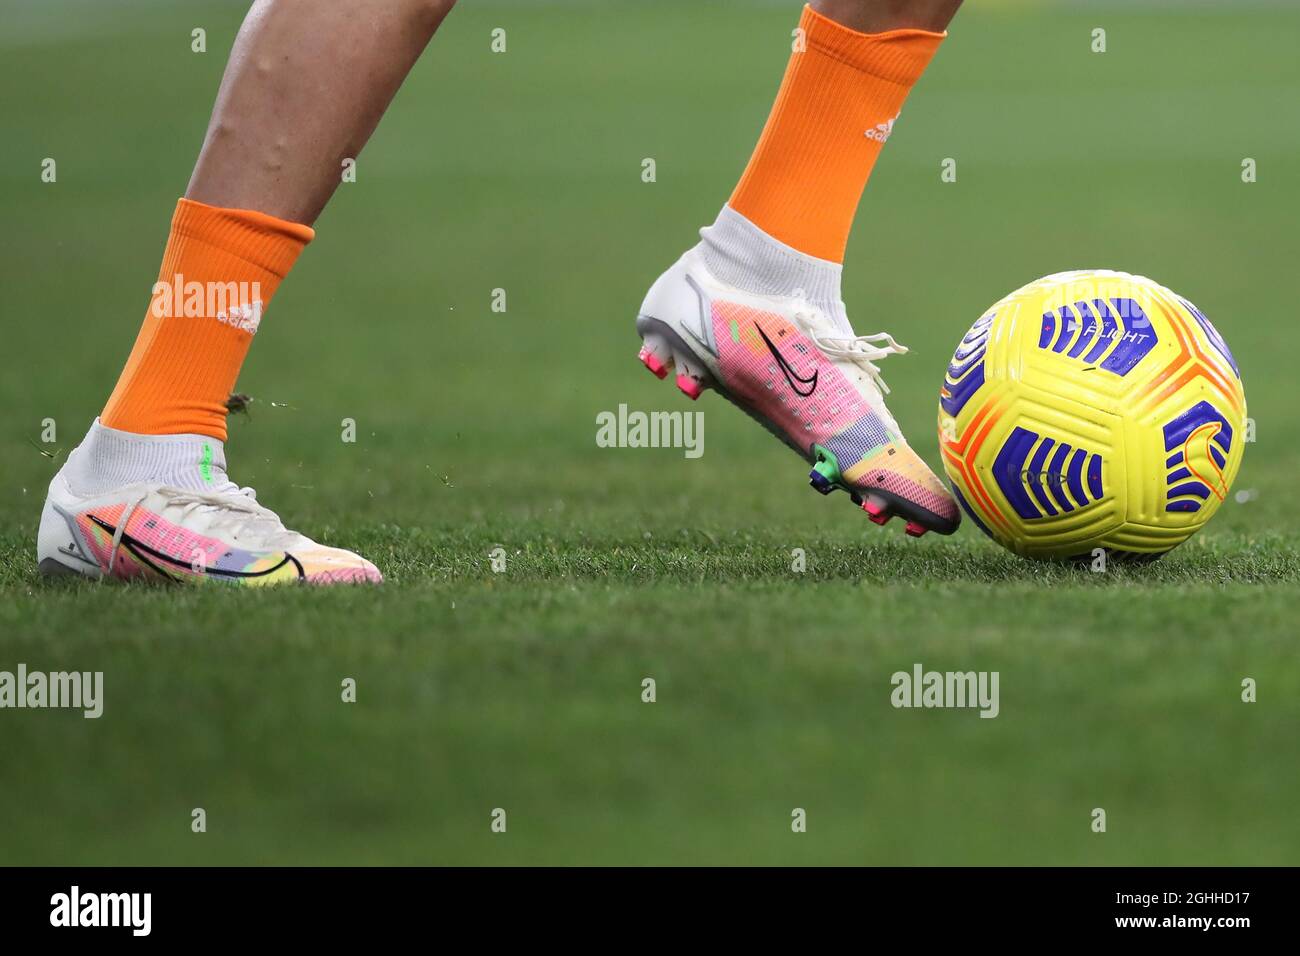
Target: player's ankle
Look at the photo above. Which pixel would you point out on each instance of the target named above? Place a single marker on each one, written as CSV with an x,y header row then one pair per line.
x,y
109,458
742,255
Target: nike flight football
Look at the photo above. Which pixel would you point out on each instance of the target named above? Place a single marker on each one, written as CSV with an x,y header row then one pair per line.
x,y
1092,410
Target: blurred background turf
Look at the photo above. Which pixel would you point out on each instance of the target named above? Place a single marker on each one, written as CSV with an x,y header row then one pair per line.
x,y
476,429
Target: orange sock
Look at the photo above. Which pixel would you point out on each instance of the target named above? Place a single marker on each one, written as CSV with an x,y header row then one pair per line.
x,y
835,109
218,274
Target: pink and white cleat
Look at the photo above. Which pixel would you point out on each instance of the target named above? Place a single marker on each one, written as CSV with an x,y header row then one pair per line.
x,y
167,531
803,375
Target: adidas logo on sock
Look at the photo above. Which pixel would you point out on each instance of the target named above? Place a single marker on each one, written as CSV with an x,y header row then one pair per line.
x,y
880,133
244,317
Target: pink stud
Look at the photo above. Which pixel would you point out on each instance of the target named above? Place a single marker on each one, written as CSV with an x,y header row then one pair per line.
x,y
881,519
873,508
651,361
690,387
915,529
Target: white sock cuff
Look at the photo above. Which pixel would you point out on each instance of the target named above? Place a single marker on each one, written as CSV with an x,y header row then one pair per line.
x,y
108,458
741,254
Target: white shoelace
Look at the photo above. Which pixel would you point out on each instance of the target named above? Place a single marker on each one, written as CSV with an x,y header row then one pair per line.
x,y
863,350
234,509
127,512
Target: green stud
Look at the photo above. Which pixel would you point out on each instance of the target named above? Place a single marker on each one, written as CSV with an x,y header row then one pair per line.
x,y
825,465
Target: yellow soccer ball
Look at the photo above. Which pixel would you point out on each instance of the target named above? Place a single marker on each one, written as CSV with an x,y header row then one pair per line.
x,y
1092,410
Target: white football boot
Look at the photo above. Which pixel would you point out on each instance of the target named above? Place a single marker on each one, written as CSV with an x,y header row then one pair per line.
x,y
781,349
191,524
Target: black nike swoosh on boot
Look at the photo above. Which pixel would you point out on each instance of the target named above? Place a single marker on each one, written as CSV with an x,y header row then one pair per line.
x,y
787,369
142,551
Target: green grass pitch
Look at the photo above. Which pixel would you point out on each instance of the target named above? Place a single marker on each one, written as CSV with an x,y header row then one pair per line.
x,y
521,690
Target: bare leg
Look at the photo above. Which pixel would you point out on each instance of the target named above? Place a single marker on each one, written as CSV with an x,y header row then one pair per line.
x,y
877,16
305,86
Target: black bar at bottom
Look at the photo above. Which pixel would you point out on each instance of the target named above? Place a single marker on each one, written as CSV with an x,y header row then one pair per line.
x,y
339,905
